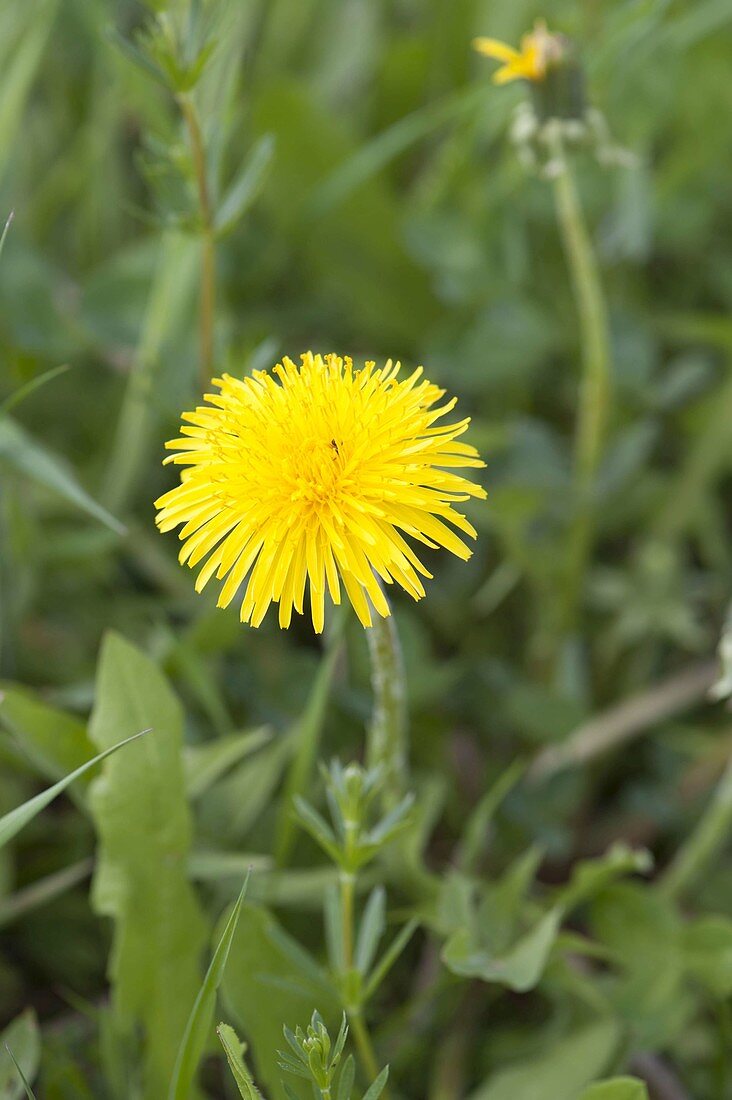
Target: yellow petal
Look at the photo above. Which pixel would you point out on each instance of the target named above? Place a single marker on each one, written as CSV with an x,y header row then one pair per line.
x,y
499,51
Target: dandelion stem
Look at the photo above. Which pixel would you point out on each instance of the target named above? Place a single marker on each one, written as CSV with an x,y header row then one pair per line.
x,y
594,395
710,834
208,252
387,735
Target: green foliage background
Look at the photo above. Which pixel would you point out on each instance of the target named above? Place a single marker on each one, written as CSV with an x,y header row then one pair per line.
x,y
369,202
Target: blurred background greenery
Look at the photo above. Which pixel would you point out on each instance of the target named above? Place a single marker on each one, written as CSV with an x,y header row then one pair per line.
x,y
370,202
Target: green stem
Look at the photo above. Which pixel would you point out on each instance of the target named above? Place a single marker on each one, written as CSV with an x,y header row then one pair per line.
x,y
594,395
709,836
365,1048
387,735
208,248
308,739
347,881
354,1011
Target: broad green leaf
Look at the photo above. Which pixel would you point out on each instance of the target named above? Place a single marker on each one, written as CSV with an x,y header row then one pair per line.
x,y
644,936
247,185
12,822
707,947
20,452
201,1018
264,987
617,1088
144,829
519,968
22,1037
567,1066
234,1050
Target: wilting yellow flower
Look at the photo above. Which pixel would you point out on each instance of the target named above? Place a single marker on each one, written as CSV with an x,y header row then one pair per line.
x,y
314,473
530,62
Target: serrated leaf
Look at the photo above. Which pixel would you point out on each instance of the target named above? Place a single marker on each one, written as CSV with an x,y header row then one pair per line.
x,y
144,829
201,1017
23,1039
234,1050
20,452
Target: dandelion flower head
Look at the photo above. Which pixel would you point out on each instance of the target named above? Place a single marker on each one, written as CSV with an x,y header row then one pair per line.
x,y
538,50
318,475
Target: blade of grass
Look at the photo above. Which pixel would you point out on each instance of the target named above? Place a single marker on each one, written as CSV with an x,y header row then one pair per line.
x,y
199,1022
12,822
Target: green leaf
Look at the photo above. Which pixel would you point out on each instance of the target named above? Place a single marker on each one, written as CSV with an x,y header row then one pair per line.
x,y
477,830
389,957
346,1080
12,822
261,996
567,1066
19,72
205,764
247,185
617,1088
144,829
201,1017
520,968
43,890
234,1050
644,934
707,947
28,1090
19,395
57,742
22,1037
20,452
374,1091
593,875
371,930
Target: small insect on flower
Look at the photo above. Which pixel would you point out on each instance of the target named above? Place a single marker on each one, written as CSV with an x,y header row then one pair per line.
x,y
314,474
538,50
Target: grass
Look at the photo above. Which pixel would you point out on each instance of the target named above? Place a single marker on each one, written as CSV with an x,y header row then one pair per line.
x,y
347,182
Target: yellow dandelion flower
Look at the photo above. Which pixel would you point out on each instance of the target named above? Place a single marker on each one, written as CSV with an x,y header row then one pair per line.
x,y
538,49
313,474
